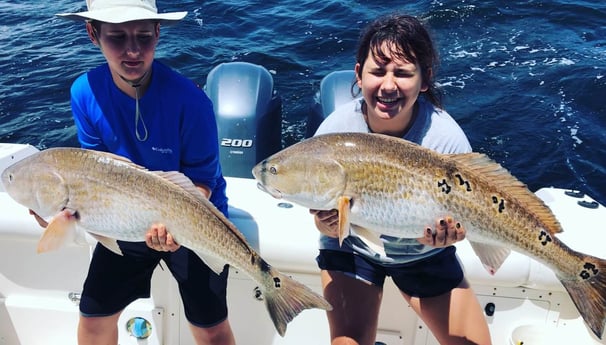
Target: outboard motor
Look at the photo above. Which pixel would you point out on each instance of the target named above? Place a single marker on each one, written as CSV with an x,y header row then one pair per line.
x,y
335,89
249,115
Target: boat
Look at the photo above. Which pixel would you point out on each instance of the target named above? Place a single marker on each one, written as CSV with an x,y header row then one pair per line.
x,y
524,303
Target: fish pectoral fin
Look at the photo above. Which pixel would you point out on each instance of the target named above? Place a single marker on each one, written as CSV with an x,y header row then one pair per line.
x,y
344,207
109,243
491,256
59,230
213,263
370,238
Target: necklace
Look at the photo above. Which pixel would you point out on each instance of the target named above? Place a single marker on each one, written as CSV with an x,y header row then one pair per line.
x,y
138,116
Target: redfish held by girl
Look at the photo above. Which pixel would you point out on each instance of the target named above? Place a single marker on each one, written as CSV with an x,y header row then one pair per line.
x,y
388,186
114,199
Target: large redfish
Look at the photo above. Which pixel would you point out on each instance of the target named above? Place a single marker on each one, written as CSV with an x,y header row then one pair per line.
x,y
388,186
114,199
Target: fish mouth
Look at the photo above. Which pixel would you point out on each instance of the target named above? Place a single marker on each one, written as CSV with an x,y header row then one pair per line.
x,y
271,191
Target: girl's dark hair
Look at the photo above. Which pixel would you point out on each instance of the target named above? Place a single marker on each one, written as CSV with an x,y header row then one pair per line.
x,y
408,40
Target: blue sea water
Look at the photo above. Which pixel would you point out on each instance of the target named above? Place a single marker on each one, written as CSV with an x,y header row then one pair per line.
x,y
525,79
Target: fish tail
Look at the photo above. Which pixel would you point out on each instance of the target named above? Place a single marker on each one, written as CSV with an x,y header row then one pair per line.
x,y
285,298
588,293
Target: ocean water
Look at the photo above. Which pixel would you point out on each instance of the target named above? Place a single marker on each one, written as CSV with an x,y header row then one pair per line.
x,y
525,79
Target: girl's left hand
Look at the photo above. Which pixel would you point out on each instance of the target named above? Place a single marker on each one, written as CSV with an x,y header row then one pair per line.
x,y
447,232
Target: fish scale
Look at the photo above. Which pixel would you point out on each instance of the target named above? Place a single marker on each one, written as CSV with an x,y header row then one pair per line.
x,y
114,199
382,185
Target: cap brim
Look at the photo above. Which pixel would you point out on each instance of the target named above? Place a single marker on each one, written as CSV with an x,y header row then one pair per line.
x,y
123,15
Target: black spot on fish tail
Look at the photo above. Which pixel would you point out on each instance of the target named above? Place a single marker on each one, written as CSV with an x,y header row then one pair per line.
x,y
463,182
445,186
257,293
544,237
501,203
264,266
285,298
468,187
589,292
590,270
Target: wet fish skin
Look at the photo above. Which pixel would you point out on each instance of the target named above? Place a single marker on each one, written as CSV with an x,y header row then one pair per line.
x,y
114,199
386,185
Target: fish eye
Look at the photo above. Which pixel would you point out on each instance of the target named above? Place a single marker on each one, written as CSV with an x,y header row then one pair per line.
x,y
273,170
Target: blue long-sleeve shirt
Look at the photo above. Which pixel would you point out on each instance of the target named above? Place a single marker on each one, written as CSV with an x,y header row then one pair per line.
x,y
178,116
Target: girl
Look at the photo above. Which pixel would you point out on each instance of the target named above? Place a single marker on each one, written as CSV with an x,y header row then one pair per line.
x,y
394,65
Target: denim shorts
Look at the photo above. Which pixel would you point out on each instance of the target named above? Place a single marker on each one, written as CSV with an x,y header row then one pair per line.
x,y
115,281
428,277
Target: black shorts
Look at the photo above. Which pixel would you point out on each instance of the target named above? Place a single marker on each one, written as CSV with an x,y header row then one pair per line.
x,y
428,277
114,281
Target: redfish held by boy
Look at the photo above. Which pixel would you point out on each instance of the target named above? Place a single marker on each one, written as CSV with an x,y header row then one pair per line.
x,y
388,186
114,199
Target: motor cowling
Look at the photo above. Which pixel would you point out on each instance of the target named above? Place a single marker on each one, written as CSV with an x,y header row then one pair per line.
x,y
248,113
335,89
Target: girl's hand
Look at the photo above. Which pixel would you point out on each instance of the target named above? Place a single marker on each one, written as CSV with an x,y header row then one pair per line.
x,y
327,222
447,232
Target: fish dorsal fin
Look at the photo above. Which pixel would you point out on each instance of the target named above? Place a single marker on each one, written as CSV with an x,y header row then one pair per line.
x,y
120,159
174,177
491,256
182,181
497,176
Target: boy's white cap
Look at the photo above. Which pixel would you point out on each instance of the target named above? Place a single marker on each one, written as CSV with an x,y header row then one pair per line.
x,y
120,11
